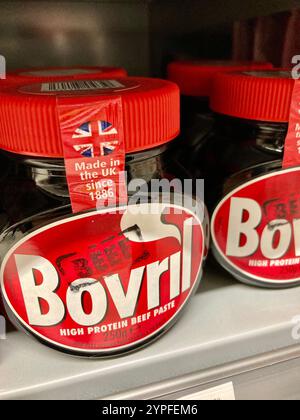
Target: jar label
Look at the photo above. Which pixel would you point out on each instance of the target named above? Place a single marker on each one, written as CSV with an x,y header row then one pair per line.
x,y
80,88
83,290
81,85
94,151
292,142
256,229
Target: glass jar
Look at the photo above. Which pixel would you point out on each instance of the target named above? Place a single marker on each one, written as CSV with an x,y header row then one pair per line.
x,y
250,192
104,281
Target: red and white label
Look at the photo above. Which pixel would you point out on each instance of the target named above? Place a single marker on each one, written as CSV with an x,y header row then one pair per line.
x,y
84,290
93,142
256,228
292,142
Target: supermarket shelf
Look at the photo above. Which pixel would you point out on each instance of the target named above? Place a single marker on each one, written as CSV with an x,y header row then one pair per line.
x,y
228,329
270,376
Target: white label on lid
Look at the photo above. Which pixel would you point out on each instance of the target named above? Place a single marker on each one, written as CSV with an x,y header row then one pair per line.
x,y
270,74
223,392
80,85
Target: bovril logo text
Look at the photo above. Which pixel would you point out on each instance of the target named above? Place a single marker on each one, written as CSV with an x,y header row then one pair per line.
x,y
99,291
243,238
121,281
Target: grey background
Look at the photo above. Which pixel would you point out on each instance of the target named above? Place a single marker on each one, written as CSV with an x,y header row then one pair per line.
x,y
137,34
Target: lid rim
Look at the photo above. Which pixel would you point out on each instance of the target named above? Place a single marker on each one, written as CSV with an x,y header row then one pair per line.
x,y
29,123
253,96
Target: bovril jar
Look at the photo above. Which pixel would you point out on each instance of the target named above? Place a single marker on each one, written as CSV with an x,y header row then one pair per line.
x,y
254,200
103,281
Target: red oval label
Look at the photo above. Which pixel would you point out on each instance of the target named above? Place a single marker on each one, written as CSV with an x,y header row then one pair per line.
x,y
256,229
104,282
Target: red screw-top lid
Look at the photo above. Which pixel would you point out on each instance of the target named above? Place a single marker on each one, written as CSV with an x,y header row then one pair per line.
x,y
38,75
256,95
29,122
195,77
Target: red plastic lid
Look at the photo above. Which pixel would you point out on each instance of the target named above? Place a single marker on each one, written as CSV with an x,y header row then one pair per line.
x,y
38,75
254,95
29,120
195,77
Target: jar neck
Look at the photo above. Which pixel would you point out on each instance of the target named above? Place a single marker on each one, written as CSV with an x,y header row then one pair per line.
x,y
266,136
49,174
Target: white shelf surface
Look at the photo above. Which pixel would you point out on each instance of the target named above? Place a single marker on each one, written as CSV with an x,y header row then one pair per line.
x,y
225,323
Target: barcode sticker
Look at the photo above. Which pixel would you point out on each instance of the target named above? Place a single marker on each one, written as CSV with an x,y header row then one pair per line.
x,y
220,393
80,85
